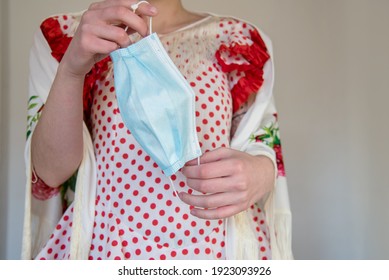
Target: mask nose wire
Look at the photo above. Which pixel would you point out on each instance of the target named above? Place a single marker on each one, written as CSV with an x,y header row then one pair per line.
x,y
135,7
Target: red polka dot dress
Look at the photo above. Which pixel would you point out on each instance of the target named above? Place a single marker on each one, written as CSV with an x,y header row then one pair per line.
x,y
137,214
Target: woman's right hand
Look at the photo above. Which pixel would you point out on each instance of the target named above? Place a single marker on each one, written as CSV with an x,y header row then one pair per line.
x,y
57,141
102,30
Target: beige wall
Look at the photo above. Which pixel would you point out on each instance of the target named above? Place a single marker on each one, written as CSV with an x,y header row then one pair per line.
x,y
332,69
3,126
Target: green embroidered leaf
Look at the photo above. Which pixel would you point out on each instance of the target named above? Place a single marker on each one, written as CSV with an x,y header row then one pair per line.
x,y
32,98
31,106
263,137
277,140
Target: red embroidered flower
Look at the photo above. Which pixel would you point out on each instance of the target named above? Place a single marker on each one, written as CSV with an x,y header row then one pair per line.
x,y
256,55
58,41
279,160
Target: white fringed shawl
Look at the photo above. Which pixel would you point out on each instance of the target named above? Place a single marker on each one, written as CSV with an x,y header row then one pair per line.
x,y
242,243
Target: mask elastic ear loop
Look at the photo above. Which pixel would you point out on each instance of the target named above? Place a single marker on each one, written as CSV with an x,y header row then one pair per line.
x,y
135,7
174,188
172,183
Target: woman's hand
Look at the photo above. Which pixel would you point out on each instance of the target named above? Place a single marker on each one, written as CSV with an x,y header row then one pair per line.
x,y
57,143
231,182
102,30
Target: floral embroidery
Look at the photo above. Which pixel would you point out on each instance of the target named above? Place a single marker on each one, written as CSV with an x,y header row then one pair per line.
x,y
57,40
32,118
271,137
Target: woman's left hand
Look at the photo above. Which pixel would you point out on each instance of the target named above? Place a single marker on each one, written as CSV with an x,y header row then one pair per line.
x,y
230,180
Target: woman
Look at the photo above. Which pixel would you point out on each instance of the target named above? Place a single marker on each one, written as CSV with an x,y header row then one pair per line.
x,y
124,208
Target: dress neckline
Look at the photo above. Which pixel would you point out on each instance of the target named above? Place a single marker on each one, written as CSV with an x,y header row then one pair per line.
x,y
188,26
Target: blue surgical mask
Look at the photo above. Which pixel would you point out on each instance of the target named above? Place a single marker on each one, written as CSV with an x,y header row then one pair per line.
x,y
156,103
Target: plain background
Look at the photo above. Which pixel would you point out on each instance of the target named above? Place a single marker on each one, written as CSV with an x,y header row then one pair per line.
x,y
332,81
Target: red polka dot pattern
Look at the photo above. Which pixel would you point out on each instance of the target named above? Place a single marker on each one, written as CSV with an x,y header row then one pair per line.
x,y
138,215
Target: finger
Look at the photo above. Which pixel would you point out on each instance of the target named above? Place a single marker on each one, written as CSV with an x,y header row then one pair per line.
x,y
122,15
210,170
215,185
212,201
111,33
218,213
97,45
216,155
212,156
116,15
145,9
196,161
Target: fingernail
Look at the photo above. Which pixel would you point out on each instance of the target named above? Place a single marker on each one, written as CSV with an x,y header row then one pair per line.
x,y
153,10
